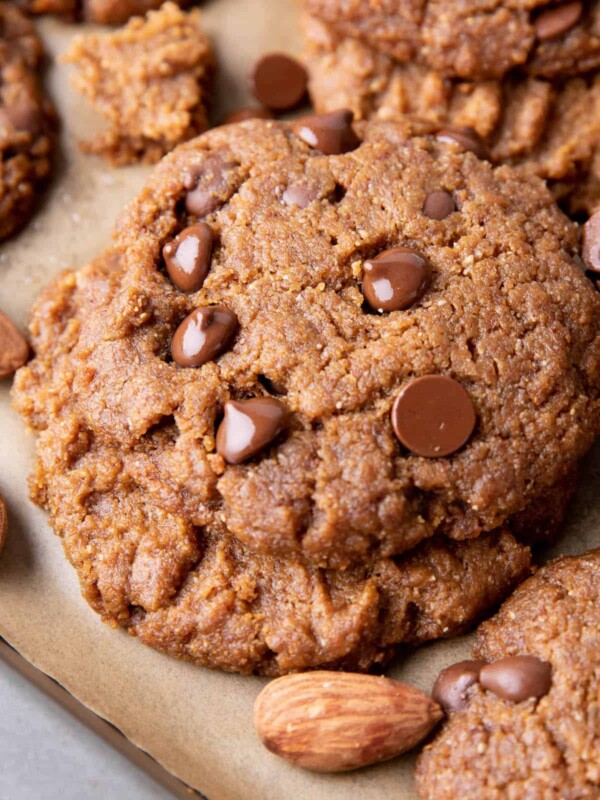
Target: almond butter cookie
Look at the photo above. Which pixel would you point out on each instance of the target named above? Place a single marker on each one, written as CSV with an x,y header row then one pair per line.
x,y
529,724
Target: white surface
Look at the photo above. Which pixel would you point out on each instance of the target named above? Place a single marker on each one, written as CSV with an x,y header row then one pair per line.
x,y
46,754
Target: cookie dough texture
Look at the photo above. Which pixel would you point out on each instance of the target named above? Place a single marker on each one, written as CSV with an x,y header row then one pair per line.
x,y
151,80
27,121
549,128
108,12
497,750
467,38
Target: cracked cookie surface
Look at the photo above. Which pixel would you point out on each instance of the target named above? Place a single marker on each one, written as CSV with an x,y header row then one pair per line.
x,y
550,748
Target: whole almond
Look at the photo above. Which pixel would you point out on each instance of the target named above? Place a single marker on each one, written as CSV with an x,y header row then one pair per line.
x,y
335,721
14,350
3,522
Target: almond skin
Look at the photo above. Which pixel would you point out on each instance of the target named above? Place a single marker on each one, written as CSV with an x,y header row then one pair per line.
x,y
335,721
14,350
3,522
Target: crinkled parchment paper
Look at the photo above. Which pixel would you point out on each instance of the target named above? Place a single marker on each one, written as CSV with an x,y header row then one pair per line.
x,y
196,723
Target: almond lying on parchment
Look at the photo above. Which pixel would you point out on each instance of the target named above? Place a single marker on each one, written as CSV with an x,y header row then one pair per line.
x,y
14,350
3,522
335,721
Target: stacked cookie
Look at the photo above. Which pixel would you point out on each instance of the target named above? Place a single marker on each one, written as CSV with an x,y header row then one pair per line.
x,y
522,75
319,400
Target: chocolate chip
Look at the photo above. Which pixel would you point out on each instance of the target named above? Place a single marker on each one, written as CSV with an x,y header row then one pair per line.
x,y
278,81
517,678
331,133
188,257
249,426
439,205
23,115
299,195
466,138
203,335
433,416
243,114
208,186
453,683
395,279
555,21
590,243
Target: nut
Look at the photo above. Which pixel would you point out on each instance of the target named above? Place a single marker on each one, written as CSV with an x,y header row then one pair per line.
x,y
14,350
335,721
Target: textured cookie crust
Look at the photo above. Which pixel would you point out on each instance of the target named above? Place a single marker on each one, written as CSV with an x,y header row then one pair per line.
x,y
467,38
151,81
550,749
550,129
27,121
108,12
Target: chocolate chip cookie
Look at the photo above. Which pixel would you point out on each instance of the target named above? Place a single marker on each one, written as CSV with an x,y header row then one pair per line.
x,y
151,80
27,121
550,128
470,39
108,12
528,730
294,419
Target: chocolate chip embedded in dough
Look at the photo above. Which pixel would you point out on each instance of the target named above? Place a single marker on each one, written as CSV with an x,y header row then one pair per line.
x,y
331,133
517,678
439,205
553,22
395,279
203,335
433,416
451,688
249,426
187,257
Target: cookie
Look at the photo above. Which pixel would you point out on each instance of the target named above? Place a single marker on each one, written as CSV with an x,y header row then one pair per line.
x,y
27,121
547,128
128,520
167,60
547,746
470,39
107,12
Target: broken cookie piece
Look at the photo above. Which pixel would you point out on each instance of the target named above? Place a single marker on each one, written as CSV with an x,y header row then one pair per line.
x,y
151,81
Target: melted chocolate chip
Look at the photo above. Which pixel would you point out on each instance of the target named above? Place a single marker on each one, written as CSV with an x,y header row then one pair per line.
x,y
465,138
451,688
188,257
249,426
395,279
331,133
278,81
517,678
299,195
243,114
590,243
439,205
203,335
554,22
208,186
433,416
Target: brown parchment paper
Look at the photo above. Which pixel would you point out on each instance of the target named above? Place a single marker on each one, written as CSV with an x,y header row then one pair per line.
x,y
196,723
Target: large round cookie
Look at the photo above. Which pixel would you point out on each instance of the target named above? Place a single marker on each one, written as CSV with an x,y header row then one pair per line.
x,y
473,39
128,516
547,128
549,748
507,314
27,121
